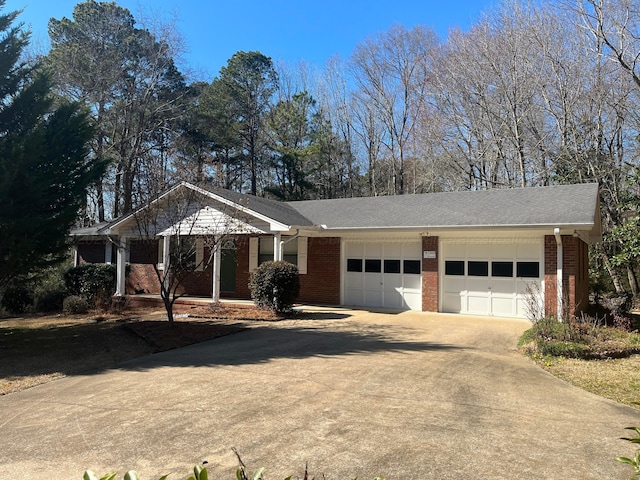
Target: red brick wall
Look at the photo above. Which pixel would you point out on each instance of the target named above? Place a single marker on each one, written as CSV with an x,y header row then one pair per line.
x,y
321,283
242,267
430,286
550,265
142,279
575,274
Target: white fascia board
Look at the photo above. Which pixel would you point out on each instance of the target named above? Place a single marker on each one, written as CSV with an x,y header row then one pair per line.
x,y
114,227
274,225
457,228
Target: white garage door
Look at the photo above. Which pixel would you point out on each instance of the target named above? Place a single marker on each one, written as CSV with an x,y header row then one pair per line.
x,y
383,274
494,278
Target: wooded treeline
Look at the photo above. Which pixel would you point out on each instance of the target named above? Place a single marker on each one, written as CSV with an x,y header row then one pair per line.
x,y
532,94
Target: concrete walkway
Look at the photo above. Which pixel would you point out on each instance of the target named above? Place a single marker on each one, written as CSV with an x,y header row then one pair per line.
x,y
403,396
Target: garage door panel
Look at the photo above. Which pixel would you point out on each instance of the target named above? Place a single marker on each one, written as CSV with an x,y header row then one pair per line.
x,y
382,280
456,250
393,250
478,304
497,291
354,297
413,282
528,252
455,284
373,250
372,281
502,286
452,303
412,251
413,300
526,287
475,284
503,252
373,298
355,250
479,252
503,306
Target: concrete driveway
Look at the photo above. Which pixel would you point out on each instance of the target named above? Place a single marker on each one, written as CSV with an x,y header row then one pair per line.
x,y
351,393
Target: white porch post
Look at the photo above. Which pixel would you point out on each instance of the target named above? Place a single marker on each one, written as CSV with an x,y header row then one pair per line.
x,y
559,260
121,266
76,256
217,257
277,250
166,256
107,252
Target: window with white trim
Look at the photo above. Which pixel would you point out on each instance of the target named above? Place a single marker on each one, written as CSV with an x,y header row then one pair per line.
x,y
293,251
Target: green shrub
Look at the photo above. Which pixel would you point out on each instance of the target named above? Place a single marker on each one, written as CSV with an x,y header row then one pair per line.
x,y
559,348
75,304
17,298
94,281
49,291
50,301
275,285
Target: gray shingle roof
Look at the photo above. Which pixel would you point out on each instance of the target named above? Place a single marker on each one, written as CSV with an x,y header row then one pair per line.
x,y
555,205
560,205
281,212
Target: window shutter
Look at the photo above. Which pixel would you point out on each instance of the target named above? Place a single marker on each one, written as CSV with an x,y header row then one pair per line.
x,y
199,254
302,255
253,253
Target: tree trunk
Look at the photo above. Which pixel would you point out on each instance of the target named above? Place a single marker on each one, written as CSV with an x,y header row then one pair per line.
x,y
615,278
633,281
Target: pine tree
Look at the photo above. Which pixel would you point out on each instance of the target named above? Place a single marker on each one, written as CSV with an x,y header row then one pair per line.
x,y
44,167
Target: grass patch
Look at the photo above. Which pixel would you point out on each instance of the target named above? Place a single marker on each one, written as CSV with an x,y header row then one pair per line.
x,y
586,353
616,379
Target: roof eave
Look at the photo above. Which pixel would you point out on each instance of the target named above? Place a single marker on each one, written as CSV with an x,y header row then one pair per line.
x,y
453,228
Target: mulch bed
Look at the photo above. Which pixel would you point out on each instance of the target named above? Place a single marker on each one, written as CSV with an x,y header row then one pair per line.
x,y
160,335
197,324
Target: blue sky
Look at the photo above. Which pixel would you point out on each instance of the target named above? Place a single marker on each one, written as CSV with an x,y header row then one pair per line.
x,y
289,30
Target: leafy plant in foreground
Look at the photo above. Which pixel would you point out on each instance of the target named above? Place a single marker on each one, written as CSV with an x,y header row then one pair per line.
x,y
199,473
635,460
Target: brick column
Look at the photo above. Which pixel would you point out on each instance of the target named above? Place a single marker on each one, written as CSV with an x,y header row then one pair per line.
x,y
550,285
430,285
575,268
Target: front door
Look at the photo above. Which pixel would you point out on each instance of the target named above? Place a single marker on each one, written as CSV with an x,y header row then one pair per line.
x,y
228,268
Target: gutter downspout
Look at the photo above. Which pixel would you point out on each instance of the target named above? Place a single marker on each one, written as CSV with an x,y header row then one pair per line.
x,y
556,233
282,242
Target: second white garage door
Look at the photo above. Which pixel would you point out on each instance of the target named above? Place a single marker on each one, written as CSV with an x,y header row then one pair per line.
x,y
498,278
383,274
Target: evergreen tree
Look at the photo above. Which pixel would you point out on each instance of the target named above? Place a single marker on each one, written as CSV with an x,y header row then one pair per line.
x,y
44,170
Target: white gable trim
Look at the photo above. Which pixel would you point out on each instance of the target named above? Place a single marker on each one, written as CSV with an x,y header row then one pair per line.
x,y
274,225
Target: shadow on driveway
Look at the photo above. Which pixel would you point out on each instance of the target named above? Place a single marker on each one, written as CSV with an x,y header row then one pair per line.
x,y
295,339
